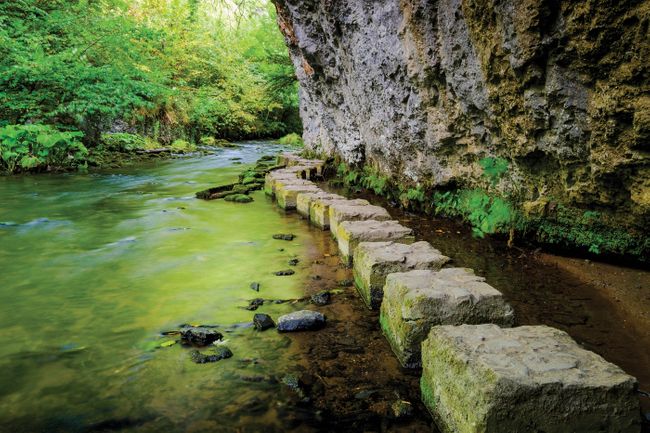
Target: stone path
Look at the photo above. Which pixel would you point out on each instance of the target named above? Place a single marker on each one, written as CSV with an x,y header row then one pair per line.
x,y
478,374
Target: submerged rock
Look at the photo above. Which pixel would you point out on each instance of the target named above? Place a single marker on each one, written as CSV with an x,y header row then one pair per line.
x,y
304,320
239,198
219,353
254,304
294,262
263,322
285,272
284,237
255,286
200,336
321,298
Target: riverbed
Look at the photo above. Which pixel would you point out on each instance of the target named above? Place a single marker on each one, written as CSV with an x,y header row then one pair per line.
x,y
96,267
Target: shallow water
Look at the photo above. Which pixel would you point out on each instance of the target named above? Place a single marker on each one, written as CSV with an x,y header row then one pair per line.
x,y
95,266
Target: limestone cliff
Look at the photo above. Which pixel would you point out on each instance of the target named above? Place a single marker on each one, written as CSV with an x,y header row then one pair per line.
x,y
424,90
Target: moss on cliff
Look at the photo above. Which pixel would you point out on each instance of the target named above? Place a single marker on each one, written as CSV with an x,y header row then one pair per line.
x,y
491,213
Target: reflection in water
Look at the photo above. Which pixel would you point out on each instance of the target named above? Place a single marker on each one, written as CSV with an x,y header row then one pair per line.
x,y
95,267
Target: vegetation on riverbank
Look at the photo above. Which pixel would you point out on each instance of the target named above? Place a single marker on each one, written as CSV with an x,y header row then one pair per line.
x,y
164,73
492,213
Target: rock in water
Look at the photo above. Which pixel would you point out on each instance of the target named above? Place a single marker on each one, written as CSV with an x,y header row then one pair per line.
x,y
304,320
284,237
239,198
254,304
321,298
285,272
294,262
200,336
255,286
218,354
263,321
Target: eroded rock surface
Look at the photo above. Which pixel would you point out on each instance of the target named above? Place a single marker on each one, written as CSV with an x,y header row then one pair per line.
x,y
373,261
424,90
530,378
417,300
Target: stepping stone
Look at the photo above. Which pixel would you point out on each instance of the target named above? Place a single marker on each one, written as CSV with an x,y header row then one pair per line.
x,y
350,233
319,212
287,194
373,261
527,379
340,212
271,178
291,159
305,200
415,301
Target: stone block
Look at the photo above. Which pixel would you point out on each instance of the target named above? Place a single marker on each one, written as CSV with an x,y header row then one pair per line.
x,y
319,213
340,212
287,193
482,378
415,301
350,233
272,177
305,200
373,261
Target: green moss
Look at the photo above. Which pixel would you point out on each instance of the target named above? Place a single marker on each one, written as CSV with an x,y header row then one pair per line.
x,y
292,139
183,146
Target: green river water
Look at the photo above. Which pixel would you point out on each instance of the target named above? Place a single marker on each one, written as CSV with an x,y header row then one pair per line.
x,y
95,266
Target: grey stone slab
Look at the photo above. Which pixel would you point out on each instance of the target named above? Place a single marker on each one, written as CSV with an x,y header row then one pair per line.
x,y
304,200
319,212
373,261
415,301
350,233
482,378
344,211
286,193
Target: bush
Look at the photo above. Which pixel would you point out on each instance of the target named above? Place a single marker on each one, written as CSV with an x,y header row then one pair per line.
x,y
292,139
122,142
208,141
183,146
35,147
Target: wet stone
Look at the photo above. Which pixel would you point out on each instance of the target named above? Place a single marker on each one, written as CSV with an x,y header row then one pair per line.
x,y
321,298
200,336
239,198
304,200
304,320
373,261
285,272
284,237
340,212
524,379
294,262
417,300
255,304
351,233
287,193
263,321
319,211
219,353
255,286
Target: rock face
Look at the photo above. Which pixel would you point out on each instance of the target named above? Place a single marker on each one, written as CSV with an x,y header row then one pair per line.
x,y
520,380
425,90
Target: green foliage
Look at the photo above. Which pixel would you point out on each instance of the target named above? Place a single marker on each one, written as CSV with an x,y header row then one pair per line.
x,y
374,181
169,70
494,168
568,227
36,147
182,146
486,214
292,139
412,196
122,142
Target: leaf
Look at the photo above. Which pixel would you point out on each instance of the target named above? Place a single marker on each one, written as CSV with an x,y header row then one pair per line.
x,y
168,343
